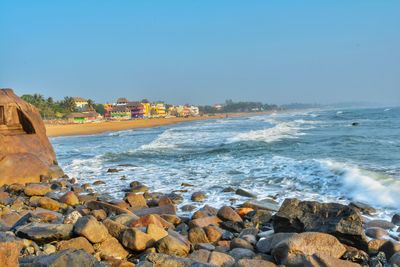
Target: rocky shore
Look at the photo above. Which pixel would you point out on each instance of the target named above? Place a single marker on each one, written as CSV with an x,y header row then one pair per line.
x,y
63,223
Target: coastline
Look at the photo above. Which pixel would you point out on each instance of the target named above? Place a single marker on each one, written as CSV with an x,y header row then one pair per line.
x,y
55,130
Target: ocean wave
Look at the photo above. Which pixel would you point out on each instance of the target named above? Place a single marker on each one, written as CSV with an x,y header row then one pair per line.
x,y
281,130
374,188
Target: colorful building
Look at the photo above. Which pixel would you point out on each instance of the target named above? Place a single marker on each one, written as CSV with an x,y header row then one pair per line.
x,y
120,113
80,103
159,110
146,110
194,111
83,117
136,108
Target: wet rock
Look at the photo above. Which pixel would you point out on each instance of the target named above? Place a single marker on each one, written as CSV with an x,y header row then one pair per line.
x,y
125,219
197,235
395,260
167,209
136,240
44,232
76,243
254,263
9,252
374,246
115,229
188,207
267,244
206,246
242,253
70,199
99,182
376,232
72,217
89,227
164,200
389,248
264,204
244,193
139,189
228,189
339,220
221,259
182,228
396,219
198,196
381,224
174,246
228,214
37,189
113,170
243,211
186,184
111,248
259,217
44,216
363,207
175,198
65,258
135,200
87,198
292,250
156,232
205,221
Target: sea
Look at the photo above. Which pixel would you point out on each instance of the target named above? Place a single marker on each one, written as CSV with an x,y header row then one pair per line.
x,y
311,155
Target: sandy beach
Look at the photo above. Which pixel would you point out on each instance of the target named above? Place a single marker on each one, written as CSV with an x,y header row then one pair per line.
x,y
111,126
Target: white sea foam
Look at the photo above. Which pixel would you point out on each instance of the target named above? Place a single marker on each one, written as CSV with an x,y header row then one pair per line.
x,y
371,187
281,130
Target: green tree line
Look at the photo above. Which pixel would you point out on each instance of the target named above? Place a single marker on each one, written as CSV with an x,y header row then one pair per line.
x,y
50,109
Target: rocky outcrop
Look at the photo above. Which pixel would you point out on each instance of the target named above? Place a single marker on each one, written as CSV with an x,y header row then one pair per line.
x,y
339,220
25,151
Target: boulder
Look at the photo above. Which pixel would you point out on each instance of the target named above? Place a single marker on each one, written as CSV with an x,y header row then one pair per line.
x,y
111,248
45,232
89,227
37,189
244,193
100,215
264,204
151,219
213,233
205,221
395,260
221,259
198,196
109,208
9,252
156,232
25,151
396,219
241,253
72,218
319,260
166,209
159,259
254,263
293,250
136,240
228,214
114,228
76,243
336,219
69,198
381,224
376,232
50,204
197,235
65,258
136,200
174,246
200,255
266,245
240,243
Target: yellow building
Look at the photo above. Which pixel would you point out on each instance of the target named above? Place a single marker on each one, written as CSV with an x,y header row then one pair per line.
x,y
158,110
80,102
146,109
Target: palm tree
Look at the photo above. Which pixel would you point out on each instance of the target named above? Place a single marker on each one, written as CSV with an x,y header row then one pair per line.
x,y
68,104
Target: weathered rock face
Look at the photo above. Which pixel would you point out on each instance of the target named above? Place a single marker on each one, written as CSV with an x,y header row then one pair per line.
x,y
342,221
25,150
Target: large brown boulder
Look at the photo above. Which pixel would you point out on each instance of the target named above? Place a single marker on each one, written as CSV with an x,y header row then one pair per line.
x,y
25,150
342,221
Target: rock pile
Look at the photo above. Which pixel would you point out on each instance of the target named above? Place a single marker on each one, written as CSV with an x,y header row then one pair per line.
x,y
59,223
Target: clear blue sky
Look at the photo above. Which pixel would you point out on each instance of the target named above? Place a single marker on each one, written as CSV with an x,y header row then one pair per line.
x,y
203,51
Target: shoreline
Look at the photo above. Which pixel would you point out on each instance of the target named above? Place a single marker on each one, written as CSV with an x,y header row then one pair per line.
x,y
58,130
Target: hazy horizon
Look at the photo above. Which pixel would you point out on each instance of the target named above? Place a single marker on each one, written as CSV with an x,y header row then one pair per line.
x,y
203,52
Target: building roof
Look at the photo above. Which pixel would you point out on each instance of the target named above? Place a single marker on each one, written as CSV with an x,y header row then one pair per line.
x,y
122,100
83,115
134,104
79,99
